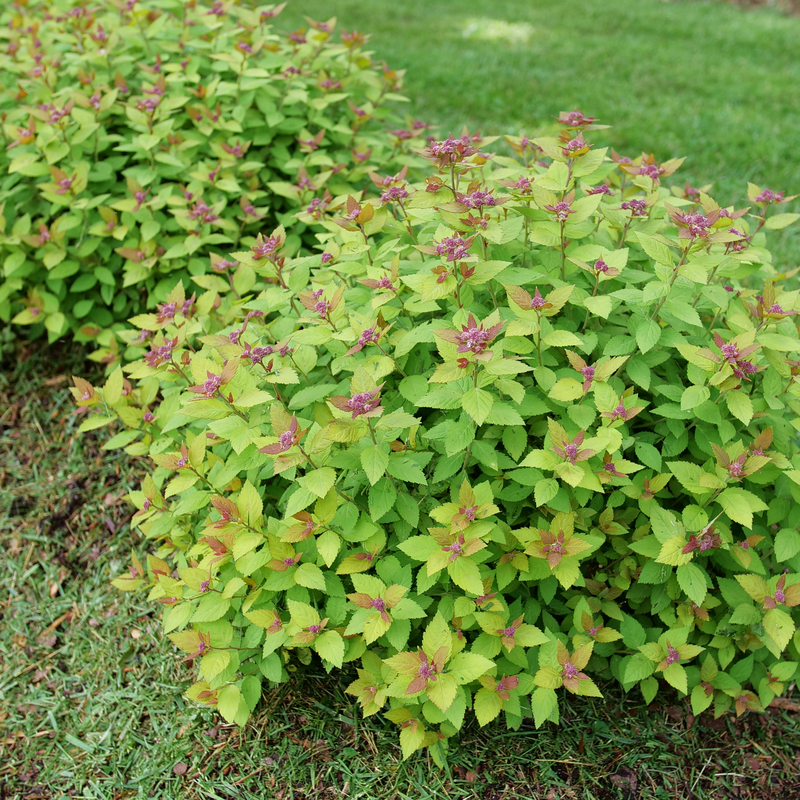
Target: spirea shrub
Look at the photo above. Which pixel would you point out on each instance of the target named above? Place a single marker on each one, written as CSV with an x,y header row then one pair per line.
x,y
142,137
527,427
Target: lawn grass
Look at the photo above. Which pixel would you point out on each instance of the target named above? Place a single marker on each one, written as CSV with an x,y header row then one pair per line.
x,y
705,80
91,699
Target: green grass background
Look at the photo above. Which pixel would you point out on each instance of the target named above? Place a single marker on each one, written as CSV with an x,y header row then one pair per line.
x,y
705,80
92,707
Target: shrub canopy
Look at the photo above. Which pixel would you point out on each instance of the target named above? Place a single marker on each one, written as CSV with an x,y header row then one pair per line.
x,y
140,138
526,426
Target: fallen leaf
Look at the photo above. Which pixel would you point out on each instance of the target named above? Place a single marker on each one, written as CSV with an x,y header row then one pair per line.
x,y
67,615
785,704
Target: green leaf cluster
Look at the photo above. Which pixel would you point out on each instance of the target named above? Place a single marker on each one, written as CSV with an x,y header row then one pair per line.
x,y
154,139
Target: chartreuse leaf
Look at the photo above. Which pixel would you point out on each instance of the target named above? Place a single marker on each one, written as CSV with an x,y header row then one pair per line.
x,y
330,646
319,481
443,691
693,582
465,573
740,505
487,705
437,635
374,460
544,704
228,699
779,626
477,403
467,667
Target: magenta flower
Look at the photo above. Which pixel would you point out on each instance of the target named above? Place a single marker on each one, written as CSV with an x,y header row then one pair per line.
x,y
561,210
287,439
368,336
472,338
638,208
394,194
209,387
265,248
453,248
450,151
361,404
574,119
160,354
479,199
768,197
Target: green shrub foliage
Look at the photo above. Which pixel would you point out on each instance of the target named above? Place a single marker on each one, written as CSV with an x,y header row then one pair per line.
x,y
526,427
142,137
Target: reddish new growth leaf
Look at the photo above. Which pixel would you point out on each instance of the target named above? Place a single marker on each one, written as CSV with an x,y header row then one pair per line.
x,y
694,225
227,510
424,670
507,634
315,301
287,439
392,187
646,166
762,442
310,145
303,529
356,215
673,656
237,150
213,382
706,540
562,210
386,283
788,596
557,543
455,544
574,147
84,393
310,633
570,450
506,685
572,678
737,358
448,152
361,404
587,371
268,248
371,335
388,599
767,309
472,338
619,412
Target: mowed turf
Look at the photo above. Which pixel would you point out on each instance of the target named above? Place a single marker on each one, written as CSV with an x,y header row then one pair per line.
x,y
704,80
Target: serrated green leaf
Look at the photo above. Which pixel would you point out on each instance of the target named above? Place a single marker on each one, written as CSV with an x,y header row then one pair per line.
x,y
477,403
319,482
545,491
374,459
692,581
648,333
